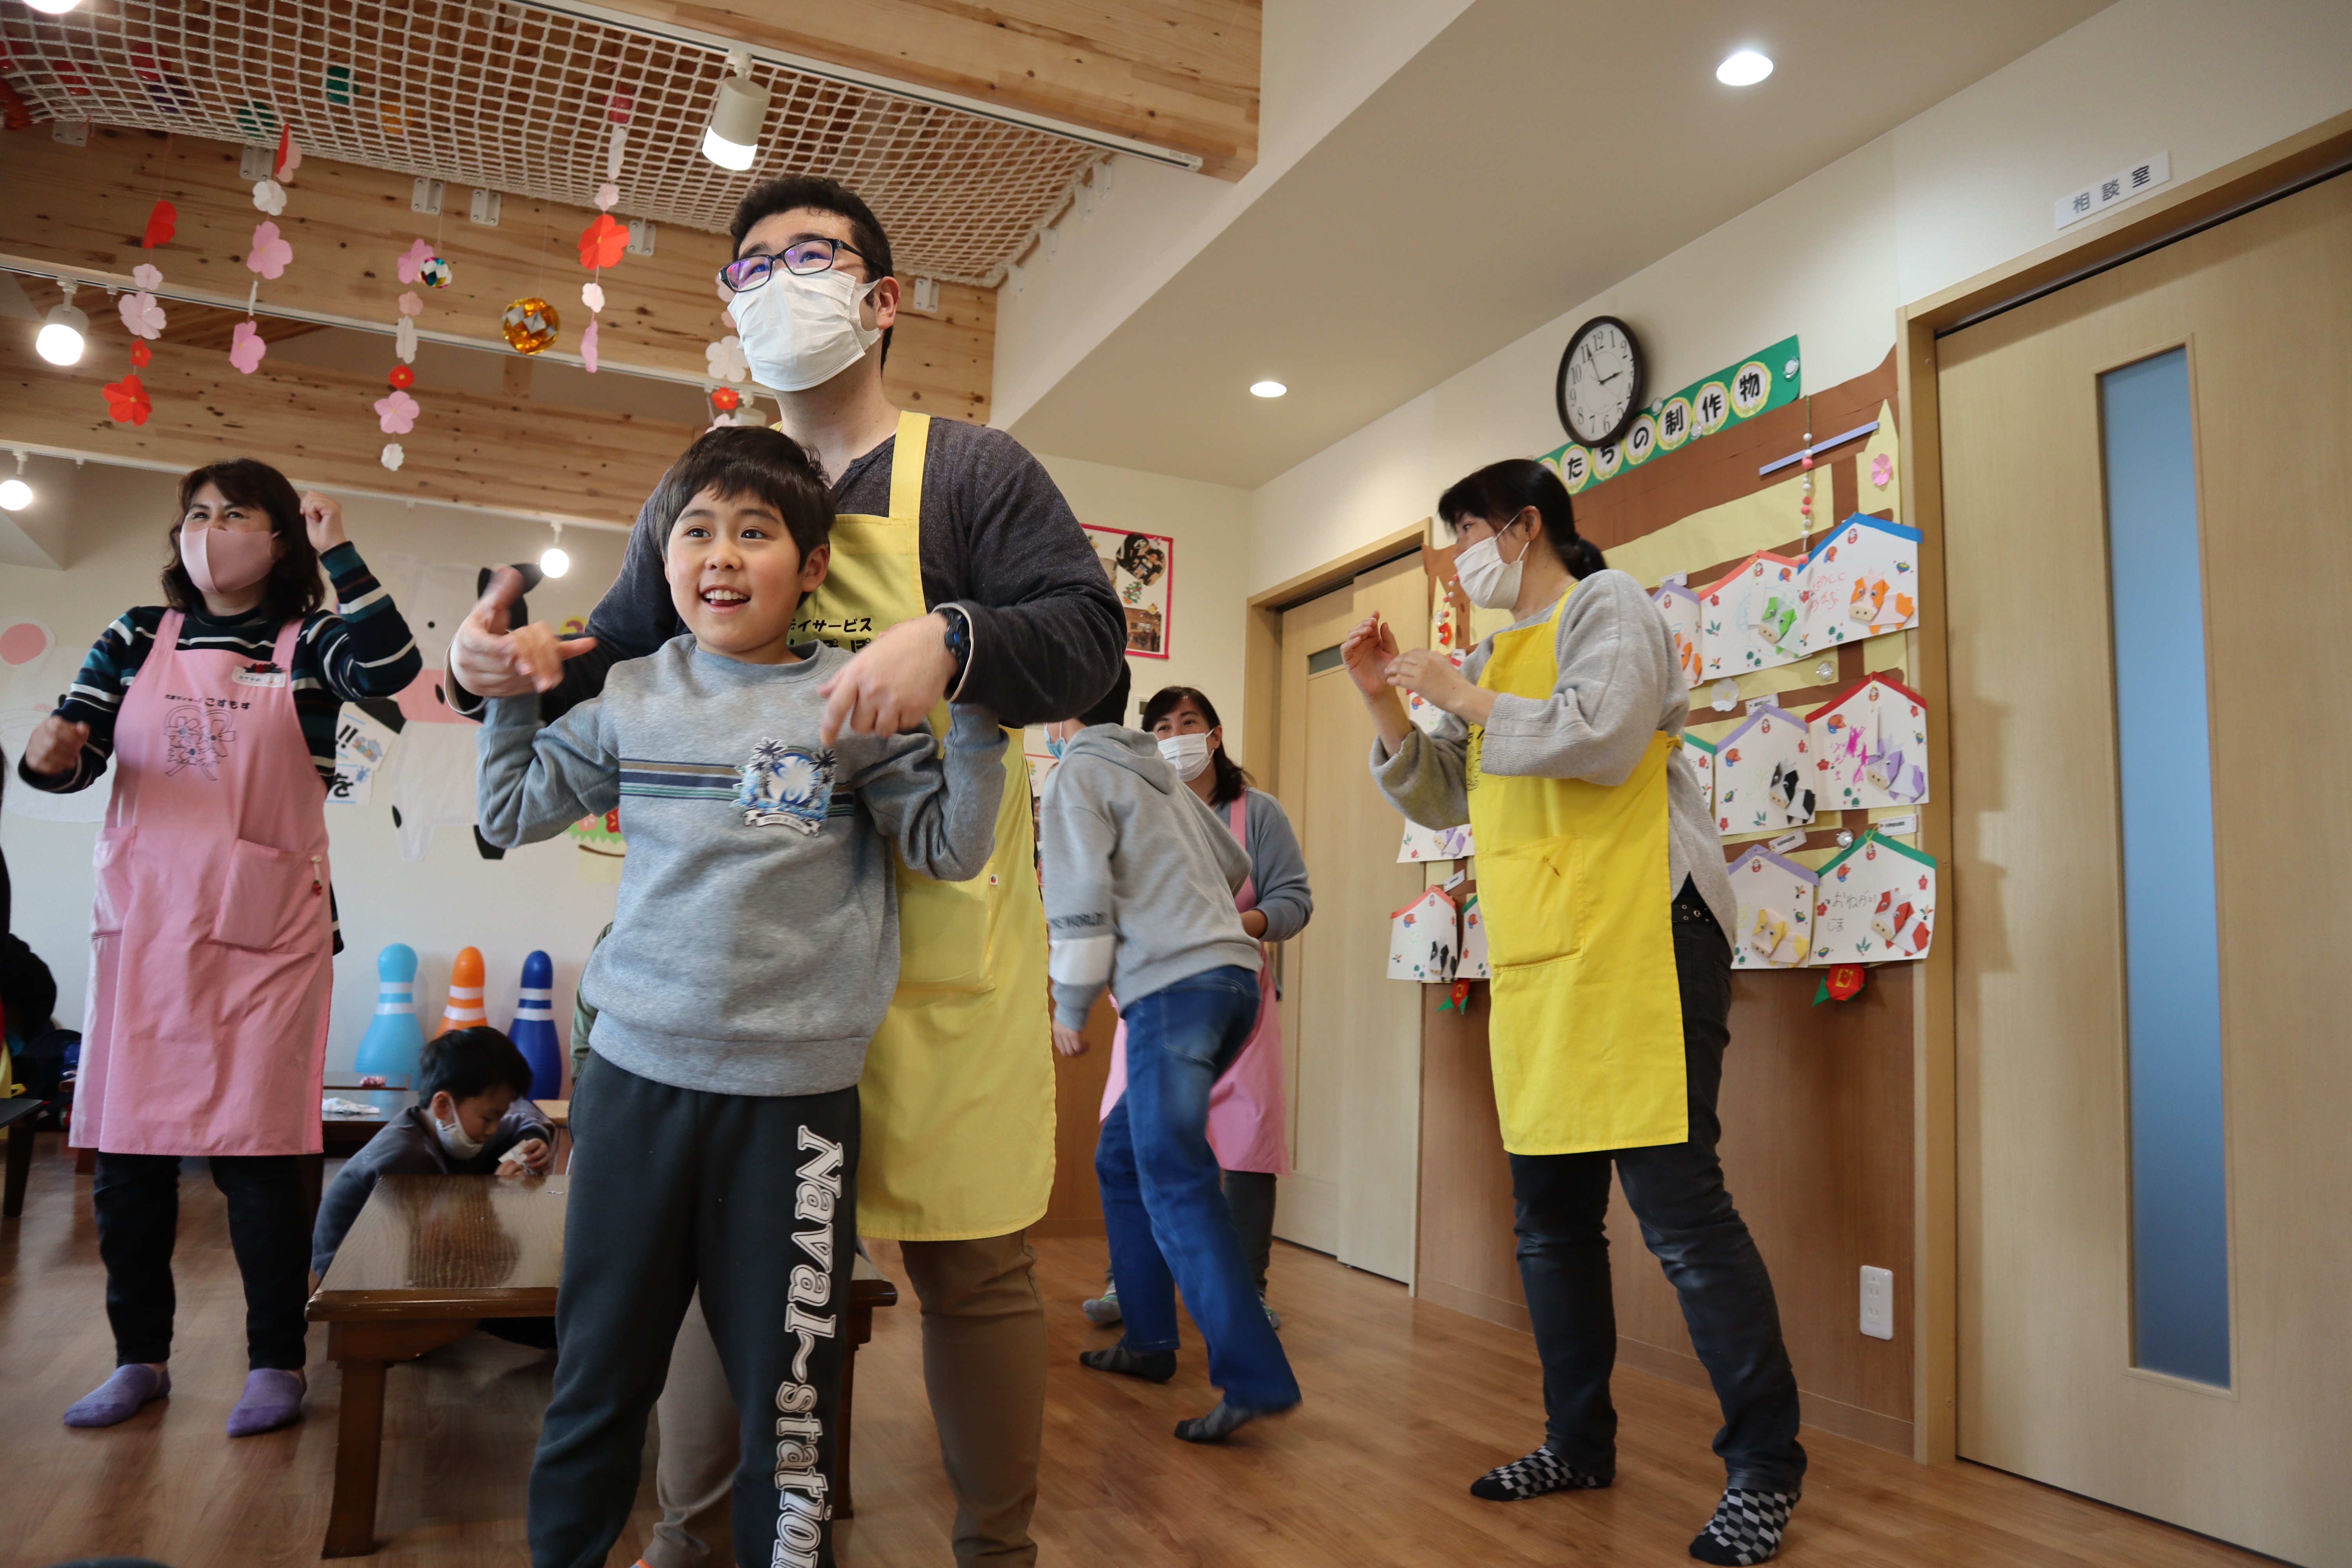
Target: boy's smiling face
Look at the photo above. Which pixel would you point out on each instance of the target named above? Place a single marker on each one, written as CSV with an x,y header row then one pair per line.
x,y
736,577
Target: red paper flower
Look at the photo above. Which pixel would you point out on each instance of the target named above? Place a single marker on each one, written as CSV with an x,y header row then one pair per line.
x,y
726,400
141,354
163,222
602,242
402,377
126,401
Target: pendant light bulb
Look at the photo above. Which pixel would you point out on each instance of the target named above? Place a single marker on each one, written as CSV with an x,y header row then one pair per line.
x,y
732,140
62,333
52,9
15,495
552,560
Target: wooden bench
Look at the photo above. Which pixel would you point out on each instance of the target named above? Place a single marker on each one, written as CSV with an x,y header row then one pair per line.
x,y
17,1115
428,1260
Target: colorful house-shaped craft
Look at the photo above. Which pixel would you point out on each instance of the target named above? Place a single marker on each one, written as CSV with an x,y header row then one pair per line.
x,y
1763,773
1474,966
1870,746
1424,939
1681,609
1753,618
1776,910
1862,581
1876,904
1699,757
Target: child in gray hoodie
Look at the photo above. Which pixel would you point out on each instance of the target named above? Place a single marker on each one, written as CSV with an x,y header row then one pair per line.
x,y
1139,877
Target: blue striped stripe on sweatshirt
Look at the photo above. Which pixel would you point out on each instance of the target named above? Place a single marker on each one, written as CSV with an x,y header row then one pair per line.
x,y
702,781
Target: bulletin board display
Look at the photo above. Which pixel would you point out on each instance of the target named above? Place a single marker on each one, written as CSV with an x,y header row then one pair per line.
x,y
1142,569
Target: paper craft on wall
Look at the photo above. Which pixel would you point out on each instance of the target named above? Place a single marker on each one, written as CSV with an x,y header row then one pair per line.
x,y
35,671
1427,715
1699,757
1775,899
1473,965
360,746
1762,771
1681,607
1870,746
1752,617
1862,581
1434,843
1424,938
429,780
601,848
1141,568
1876,903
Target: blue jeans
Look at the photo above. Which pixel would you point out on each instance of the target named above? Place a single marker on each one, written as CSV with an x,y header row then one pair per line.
x,y
1166,1213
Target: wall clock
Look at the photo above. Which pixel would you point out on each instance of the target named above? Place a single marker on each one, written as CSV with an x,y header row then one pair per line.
x,y
1601,380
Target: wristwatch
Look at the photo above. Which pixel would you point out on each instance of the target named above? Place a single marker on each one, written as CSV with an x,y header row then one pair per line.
x,y
959,645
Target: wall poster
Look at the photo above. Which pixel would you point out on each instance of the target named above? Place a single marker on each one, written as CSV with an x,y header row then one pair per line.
x,y
1143,570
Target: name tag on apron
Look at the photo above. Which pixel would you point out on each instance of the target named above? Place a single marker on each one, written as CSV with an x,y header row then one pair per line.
x,y
259,676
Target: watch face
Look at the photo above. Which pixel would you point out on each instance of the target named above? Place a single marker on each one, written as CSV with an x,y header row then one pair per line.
x,y
1600,381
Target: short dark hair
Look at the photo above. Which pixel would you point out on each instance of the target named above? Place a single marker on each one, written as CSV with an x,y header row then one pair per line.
x,y
1111,708
1500,492
1233,779
293,587
470,1063
818,193
750,461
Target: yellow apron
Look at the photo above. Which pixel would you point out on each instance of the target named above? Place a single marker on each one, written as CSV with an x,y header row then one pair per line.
x,y
959,1088
1586,1026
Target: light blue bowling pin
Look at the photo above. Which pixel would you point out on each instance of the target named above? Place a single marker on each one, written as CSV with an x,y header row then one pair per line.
x,y
393,1040
534,1027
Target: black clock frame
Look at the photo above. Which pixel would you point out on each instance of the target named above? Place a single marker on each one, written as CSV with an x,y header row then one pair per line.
x,y
1640,376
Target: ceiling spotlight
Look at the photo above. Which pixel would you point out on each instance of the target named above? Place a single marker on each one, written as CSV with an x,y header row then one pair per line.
x,y
1267,389
732,142
52,9
62,332
1745,69
15,495
552,560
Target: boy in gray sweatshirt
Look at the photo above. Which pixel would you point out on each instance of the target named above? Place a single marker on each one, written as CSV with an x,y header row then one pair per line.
x,y
1139,877
753,950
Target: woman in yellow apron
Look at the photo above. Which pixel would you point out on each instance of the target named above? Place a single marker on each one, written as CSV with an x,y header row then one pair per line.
x,y
1607,905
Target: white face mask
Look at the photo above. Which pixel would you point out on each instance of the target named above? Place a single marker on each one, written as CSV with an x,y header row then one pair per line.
x,y
800,331
453,1139
1491,583
1188,754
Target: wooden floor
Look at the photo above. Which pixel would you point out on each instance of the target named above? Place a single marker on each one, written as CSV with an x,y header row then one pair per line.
x,y
1405,1403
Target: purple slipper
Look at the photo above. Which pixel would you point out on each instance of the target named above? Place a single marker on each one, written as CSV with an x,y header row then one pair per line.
x,y
272,1398
118,1399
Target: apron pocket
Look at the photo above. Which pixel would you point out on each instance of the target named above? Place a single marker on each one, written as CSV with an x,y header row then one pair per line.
x,y
267,902
111,866
1530,893
943,933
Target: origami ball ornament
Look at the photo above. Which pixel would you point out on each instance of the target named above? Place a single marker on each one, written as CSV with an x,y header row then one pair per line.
x,y
433,273
530,325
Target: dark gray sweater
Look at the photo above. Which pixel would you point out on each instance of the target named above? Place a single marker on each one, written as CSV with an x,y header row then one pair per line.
x,y
408,1146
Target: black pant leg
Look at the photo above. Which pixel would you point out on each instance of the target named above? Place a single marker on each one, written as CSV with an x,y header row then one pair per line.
x,y
269,1230
1250,1195
1562,1204
137,1199
628,1273
1676,1192
777,1229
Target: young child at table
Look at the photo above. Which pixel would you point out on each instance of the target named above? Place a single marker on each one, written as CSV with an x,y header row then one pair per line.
x,y
755,947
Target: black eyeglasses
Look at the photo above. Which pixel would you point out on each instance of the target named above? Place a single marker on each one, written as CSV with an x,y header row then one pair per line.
x,y
801,258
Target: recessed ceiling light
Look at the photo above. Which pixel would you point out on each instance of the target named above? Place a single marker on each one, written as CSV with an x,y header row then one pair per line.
x,y
1267,389
1745,69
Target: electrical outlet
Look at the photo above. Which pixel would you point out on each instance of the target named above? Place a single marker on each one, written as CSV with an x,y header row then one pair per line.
x,y
1877,1302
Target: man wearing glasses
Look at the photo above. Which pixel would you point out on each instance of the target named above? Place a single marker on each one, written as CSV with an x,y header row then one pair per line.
x,y
958,572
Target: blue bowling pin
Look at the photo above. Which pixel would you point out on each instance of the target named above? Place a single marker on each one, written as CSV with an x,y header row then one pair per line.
x,y
534,1027
393,1040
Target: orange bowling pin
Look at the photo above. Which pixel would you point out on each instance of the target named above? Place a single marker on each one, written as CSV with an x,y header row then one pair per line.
x,y
465,1009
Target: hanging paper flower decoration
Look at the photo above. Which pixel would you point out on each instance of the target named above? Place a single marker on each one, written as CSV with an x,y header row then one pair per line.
x,y
588,347
392,456
726,400
270,251
1882,470
270,196
141,354
142,316
410,305
529,324
402,377
289,156
245,348
126,401
593,296
163,222
726,361
435,273
396,413
608,195
602,243
147,275
404,338
412,259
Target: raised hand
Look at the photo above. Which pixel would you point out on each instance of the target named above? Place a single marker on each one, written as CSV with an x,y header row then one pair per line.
x,y
54,745
1367,653
322,516
489,660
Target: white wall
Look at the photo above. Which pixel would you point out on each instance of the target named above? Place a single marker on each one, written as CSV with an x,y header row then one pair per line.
x,y
452,898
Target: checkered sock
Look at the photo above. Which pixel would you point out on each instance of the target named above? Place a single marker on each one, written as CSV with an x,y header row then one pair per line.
x,y
1745,1529
1541,1472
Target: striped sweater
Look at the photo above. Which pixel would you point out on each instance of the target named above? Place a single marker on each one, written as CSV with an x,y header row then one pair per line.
x,y
361,650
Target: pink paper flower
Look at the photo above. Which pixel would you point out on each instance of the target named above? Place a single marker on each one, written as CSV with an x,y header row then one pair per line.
x,y
608,195
146,276
396,413
245,348
270,251
413,260
410,305
142,316
291,155
1882,470
593,296
588,346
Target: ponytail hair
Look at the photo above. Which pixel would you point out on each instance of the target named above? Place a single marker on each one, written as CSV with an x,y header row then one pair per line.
x,y
1500,492
1233,779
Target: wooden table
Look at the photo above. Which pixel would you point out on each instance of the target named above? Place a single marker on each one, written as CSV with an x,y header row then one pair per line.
x,y
428,1260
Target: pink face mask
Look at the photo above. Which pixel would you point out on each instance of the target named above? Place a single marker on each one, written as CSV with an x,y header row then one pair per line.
x,y
225,559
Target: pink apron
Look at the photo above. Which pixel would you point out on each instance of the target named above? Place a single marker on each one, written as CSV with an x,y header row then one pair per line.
x,y
210,945
1247,1109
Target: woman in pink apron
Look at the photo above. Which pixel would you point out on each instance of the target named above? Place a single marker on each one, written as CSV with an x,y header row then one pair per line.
x,y
1246,1110
212,929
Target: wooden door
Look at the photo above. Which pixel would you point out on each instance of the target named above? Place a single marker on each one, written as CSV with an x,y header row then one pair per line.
x,y
1354,1035
2053,1383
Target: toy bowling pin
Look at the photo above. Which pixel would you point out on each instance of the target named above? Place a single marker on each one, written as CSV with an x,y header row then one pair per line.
x,y
464,1009
393,1038
533,1031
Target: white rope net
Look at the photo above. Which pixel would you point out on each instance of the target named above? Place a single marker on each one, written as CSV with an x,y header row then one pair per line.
x,y
512,96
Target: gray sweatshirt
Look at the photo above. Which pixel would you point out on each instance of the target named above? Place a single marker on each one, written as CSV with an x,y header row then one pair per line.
x,y
1618,686
1278,870
755,943
1139,874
